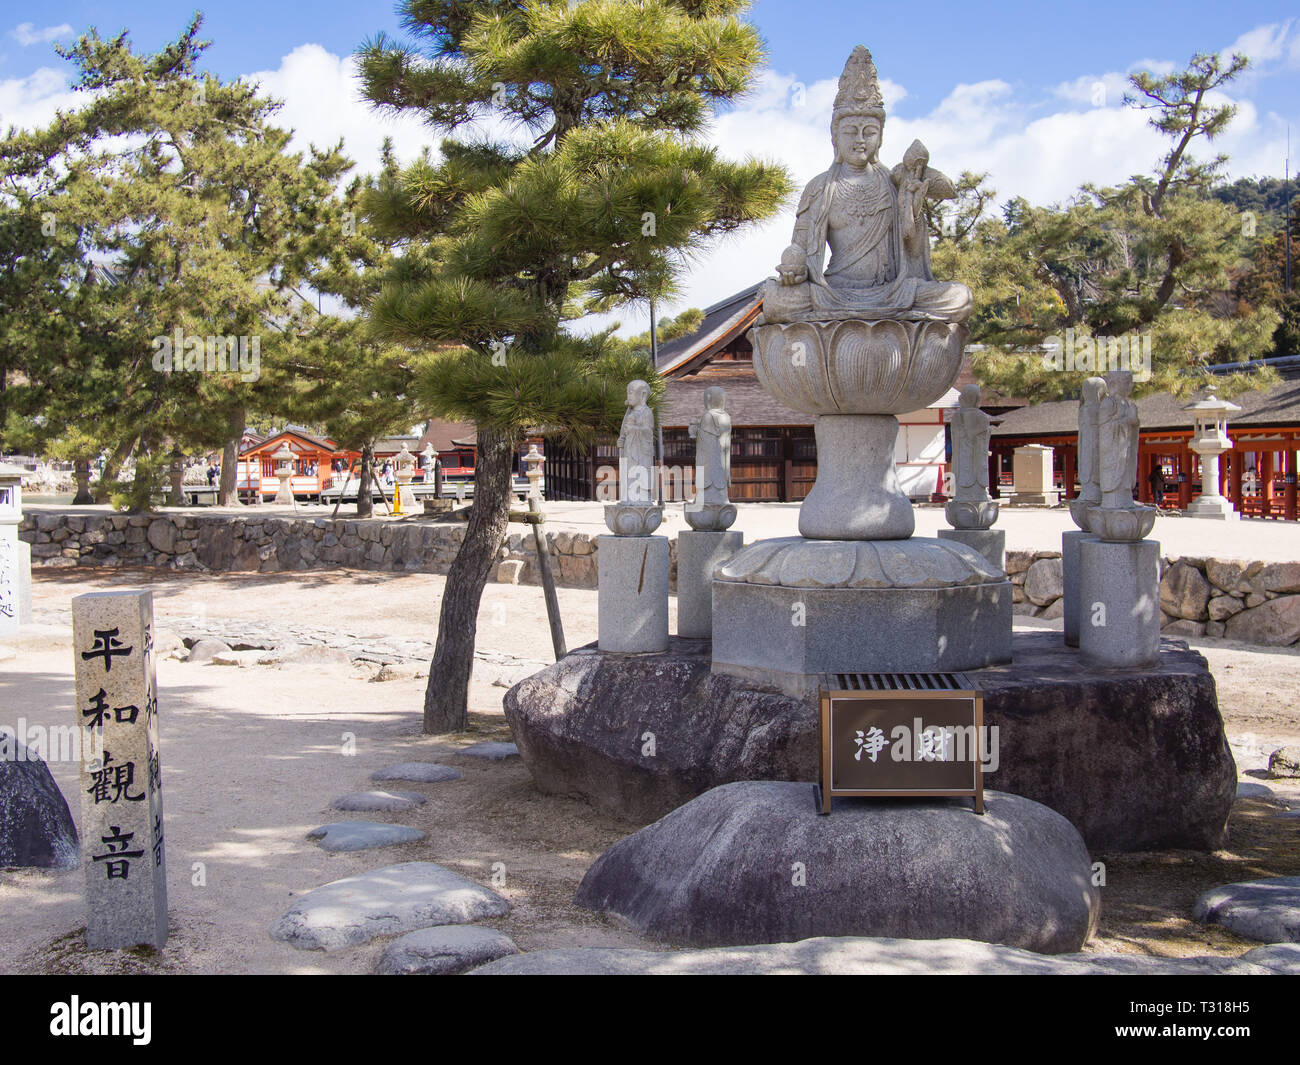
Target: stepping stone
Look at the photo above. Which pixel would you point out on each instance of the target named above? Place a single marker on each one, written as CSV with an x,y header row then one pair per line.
x,y
1283,958
385,902
851,955
1247,790
379,800
205,649
491,749
1267,910
362,835
417,772
444,951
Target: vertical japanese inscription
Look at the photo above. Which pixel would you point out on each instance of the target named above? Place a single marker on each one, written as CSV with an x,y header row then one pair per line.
x,y
9,586
121,791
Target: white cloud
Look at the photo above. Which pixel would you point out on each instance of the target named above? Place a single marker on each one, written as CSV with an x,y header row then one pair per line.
x,y
26,33
31,102
1264,44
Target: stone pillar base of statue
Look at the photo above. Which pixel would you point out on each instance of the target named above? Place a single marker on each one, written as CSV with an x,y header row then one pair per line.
x,y
1119,603
407,496
285,494
698,555
857,495
710,517
786,611
1216,508
632,601
1070,582
991,543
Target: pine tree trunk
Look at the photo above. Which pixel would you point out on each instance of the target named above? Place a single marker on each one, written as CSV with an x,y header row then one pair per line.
x,y
228,489
446,699
365,504
108,480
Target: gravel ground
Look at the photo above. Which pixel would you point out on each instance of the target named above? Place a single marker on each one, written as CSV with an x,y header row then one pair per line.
x,y
253,756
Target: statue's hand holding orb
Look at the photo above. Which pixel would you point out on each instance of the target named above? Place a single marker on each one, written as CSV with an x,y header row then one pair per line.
x,y
794,266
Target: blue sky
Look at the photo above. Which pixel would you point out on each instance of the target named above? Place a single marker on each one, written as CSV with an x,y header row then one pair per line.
x,y
1028,92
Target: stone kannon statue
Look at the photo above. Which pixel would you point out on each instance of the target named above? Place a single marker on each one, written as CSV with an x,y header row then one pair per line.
x,y
867,334
712,510
971,506
1118,517
636,513
873,221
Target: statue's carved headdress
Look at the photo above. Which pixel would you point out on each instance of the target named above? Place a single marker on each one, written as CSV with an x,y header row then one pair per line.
x,y
859,91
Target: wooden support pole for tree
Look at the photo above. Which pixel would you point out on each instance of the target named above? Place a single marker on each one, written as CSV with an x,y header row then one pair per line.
x,y
536,520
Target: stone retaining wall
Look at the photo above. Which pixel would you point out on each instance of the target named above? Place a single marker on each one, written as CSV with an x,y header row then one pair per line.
x,y
1255,602
224,543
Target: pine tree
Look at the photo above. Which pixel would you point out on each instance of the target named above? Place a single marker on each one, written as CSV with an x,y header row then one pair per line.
x,y
513,239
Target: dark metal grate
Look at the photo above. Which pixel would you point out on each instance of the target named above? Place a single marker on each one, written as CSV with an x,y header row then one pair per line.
x,y
896,682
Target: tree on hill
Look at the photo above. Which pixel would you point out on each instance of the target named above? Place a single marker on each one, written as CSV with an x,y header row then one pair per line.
x,y
1154,257
511,237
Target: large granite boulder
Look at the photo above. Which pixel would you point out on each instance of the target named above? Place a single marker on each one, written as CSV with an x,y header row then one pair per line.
x,y
1275,623
1135,760
754,862
36,828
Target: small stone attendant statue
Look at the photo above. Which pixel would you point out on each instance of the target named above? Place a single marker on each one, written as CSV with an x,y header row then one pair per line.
x,y
711,510
972,508
636,443
636,513
1118,518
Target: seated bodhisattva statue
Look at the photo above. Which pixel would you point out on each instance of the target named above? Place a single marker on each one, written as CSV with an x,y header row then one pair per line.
x,y
873,220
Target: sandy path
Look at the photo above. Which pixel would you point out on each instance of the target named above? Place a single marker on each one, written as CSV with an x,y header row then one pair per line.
x,y
253,757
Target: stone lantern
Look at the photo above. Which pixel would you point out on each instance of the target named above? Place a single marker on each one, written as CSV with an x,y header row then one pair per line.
x,y
284,470
15,554
1210,440
404,466
533,460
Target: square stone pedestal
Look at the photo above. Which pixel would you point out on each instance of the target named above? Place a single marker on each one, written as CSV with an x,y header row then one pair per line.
x,y
1119,603
1032,475
1070,582
991,543
632,606
698,553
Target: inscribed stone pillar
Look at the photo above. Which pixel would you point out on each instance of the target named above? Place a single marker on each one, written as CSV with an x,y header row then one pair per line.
x,y
121,788
10,586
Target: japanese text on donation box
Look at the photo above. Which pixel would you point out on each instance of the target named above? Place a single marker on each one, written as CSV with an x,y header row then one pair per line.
x,y
120,778
904,745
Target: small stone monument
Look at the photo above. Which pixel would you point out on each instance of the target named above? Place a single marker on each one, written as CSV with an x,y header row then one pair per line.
x,y
1031,474
121,789
404,465
1089,496
708,544
534,461
1210,440
15,554
1119,571
972,510
632,601
284,470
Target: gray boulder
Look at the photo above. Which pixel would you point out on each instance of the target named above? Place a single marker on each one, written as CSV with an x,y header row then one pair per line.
x,y
855,956
1272,623
443,951
205,649
1267,910
385,902
1284,763
36,828
754,862
1045,581
1135,760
